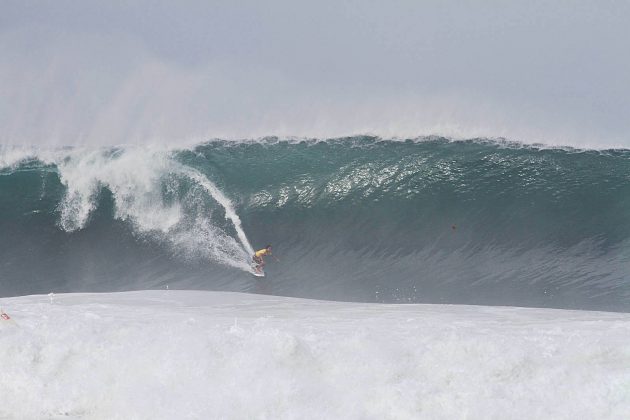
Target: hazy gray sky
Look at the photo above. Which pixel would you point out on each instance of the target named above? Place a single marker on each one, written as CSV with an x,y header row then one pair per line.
x,y
156,71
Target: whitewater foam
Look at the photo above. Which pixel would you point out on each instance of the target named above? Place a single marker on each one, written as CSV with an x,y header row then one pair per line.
x,y
216,193
146,187
185,354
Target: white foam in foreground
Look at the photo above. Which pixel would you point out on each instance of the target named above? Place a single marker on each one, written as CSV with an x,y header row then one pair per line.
x,y
185,354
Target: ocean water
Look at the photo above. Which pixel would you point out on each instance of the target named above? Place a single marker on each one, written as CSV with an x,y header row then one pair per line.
x,y
422,278
361,219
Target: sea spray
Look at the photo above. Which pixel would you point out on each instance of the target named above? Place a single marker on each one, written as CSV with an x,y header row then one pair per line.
x,y
216,193
149,192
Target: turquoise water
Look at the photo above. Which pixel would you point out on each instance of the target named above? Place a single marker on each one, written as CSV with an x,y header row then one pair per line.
x,y
360,219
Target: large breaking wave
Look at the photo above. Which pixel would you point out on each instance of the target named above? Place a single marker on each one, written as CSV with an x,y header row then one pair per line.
x,y
360,219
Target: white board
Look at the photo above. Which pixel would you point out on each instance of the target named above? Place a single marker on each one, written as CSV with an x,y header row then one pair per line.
x,y
257,273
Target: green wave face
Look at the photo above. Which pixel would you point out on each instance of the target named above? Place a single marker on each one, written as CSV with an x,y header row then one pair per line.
x,y
359,219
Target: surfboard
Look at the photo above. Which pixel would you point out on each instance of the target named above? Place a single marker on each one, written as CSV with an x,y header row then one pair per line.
x,y
257,273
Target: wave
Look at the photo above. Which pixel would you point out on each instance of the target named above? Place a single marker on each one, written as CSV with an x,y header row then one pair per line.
x,y
357,219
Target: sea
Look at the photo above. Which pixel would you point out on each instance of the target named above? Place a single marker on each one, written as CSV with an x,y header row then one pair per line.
x,y
424,278
364,219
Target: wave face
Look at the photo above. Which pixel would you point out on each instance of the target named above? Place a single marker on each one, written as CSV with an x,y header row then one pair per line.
x,y
356,219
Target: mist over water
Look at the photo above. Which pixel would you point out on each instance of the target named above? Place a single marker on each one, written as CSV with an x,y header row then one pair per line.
x,y
357,219
160,73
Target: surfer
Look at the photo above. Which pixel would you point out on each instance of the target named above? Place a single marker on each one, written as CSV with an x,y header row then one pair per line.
x,y
258,258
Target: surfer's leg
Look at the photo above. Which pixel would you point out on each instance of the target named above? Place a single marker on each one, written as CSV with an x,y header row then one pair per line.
x,y
258,264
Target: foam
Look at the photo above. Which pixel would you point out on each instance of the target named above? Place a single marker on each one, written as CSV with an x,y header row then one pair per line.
x,y
138,178
216,193
12,156
186,354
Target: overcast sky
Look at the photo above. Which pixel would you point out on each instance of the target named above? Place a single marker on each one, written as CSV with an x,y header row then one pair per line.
x,y
111,72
